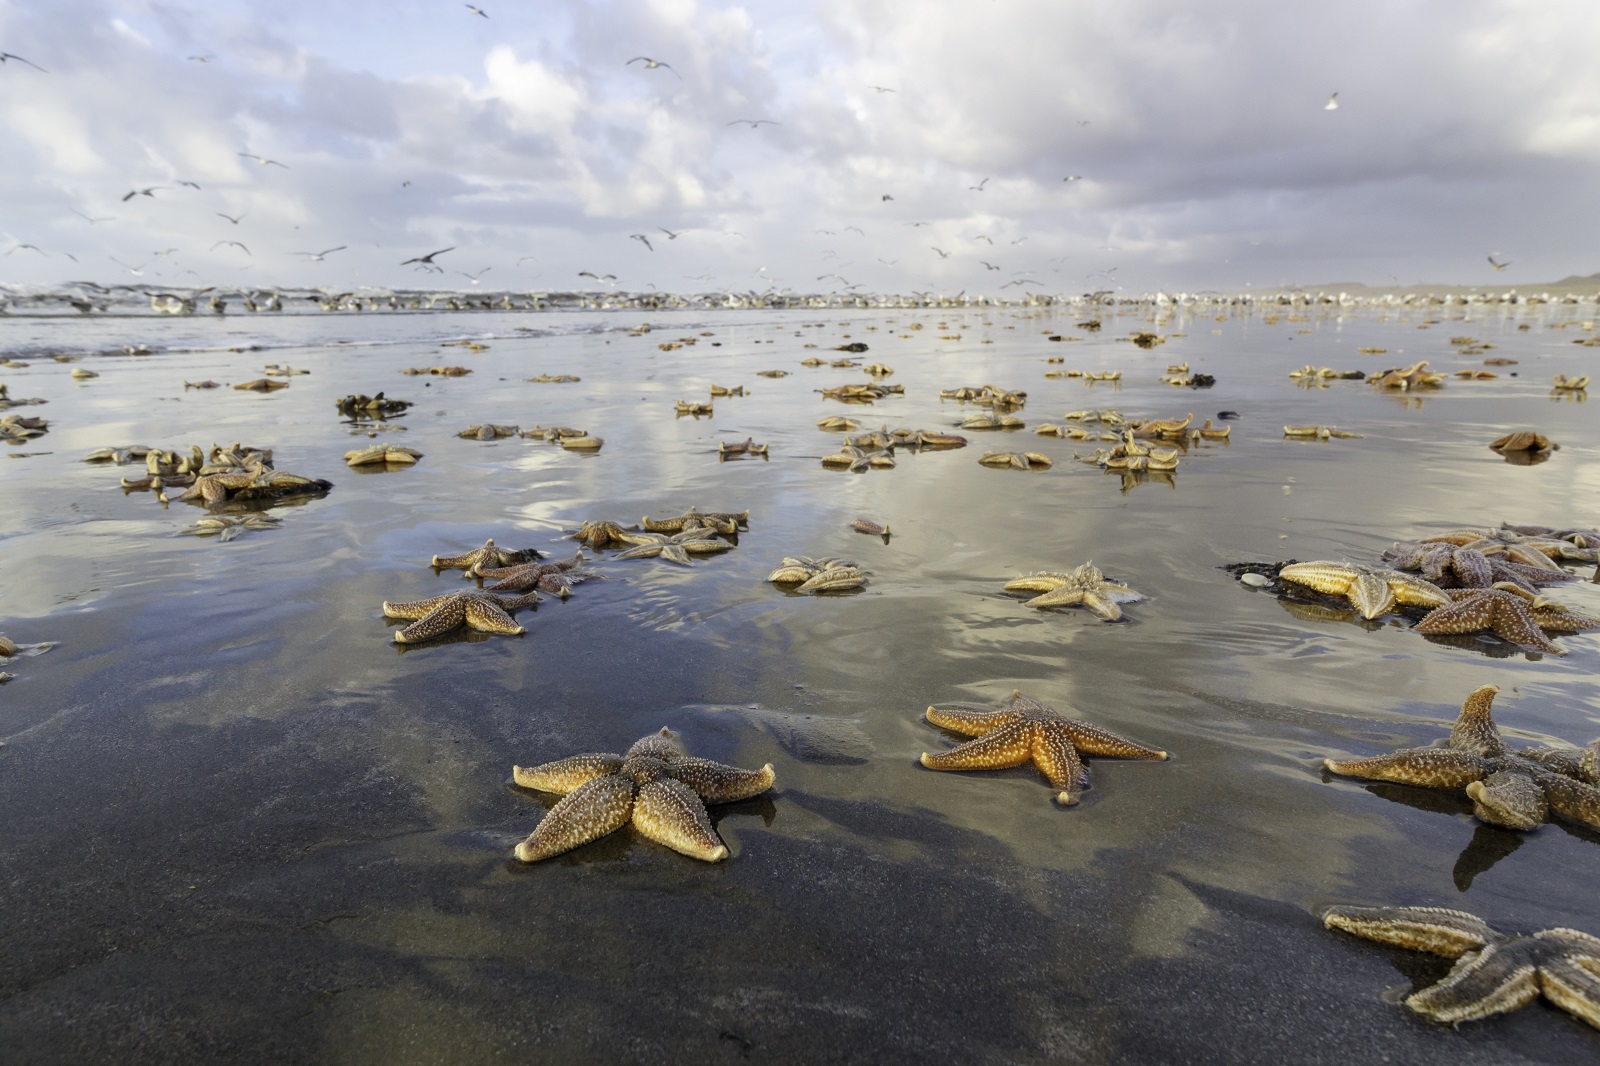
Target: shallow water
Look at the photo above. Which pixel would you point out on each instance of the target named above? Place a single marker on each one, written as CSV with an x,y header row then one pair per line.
x,y
242,822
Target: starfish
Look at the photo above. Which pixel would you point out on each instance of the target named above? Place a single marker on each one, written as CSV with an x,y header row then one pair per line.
x,y
1530,550
721,521
658,787
1515,789
1583,538
1496,973
1506,613
1029,730
1371,590
488,555
1445,564
675,547
483,611
1084,586
555,578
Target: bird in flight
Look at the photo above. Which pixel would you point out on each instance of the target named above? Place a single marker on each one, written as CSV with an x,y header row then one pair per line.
x,y
474,278
7,55
200,59
753,122
1073,177
236,244
880,88
642,239
20,247
597,277
1332,104
191,184
1497,264
164,254
137,271
858,229
1019,240
886,198
671,236
317,257
888,262
427,260
230,218
942,253
915,224
92,221
652,64
263,161
978,187
988,264
149,191
985,237
525,258
476,10
1021,281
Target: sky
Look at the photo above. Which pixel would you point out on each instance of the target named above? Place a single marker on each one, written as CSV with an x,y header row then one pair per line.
x,y
904,145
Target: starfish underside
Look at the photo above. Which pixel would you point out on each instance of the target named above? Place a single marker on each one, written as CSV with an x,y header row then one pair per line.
x,y
1373,591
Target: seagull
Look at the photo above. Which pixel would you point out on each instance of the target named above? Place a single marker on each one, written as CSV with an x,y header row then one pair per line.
x,y
236,244
880,88
316,257
525,258
597,277
978,187
1084,121
670,235
1021,281
829,232
917,224
886,198
753,122
230,218
1073,177
191,184
200,59
405,185
262,161
20,247
642,239
1492,261
163,255
988,264
1019,240
137,271
149,191
942,253
474,277
7,55
424,260
476,10
858,229
982,237
92,221
888,262
1332,104
652,64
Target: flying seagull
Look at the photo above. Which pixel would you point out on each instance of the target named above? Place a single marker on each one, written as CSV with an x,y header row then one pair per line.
x,y
476,10
942,253
1332,104
7,55
979,187
886,198
316,257
985,237
671,236
880,88
137,271
988,264
1073,177
525,258
20,247
888,262
475,277
149,191
753,122
642,239
1498,265
200,59
263,161
236,244
92,221
597,277
652,64
427,260
858,229
230,218
191,184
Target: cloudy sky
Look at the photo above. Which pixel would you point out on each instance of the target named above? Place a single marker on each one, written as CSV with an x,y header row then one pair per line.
x,y
912,144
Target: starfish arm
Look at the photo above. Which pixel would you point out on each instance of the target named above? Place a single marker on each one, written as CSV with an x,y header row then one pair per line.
x,y
1555,616
212,490
1069,595
669,812
674,553
1568,762
1101,604
1052,752
500,572
968,723
1509,799
716,782
1500,978
1571,799
464,562
1332,578
509,603
1472,568
995,750
1041,582
1433,767
442,619
1092,740
648,550
1413,591
662,744
1573,987
518,581
1370,594
1501,612
486,616
662,525
416,608
590,811
1433,929
1475,730
560,584
564,775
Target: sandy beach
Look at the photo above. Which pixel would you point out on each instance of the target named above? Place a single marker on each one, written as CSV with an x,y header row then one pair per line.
x,y
245,824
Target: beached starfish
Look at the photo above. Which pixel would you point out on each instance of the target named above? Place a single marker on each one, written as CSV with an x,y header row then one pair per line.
x,y
488,555
1496,973
556,578
1530,550
721,521
1445,565
1028,730
1507,613
1372,591
675,547
1083,586
658,787
483,611
1515,789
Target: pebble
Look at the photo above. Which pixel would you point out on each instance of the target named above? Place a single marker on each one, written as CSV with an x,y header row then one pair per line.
x,y
1255,581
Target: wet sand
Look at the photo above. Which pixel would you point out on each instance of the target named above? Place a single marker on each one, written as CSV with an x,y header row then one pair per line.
x,y
243,824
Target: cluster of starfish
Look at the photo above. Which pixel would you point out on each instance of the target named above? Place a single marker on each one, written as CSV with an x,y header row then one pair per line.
x,y
517,575
674,539
1084,586
1494,973
363,408
1515,789
866,392
384,455
803,574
